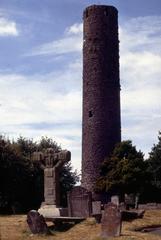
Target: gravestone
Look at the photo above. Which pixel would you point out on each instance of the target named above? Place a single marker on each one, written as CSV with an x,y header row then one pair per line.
x,y
36,222
136,201
115,200
122,206
96,207
111,221
96,211
79,202
130,200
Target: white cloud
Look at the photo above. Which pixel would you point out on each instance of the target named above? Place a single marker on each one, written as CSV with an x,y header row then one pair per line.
x,y
43,105
140,55
40,98
139,34
8,28
76,28
70,43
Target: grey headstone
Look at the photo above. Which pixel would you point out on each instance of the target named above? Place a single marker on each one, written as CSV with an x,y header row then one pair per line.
x,y
96,207
130,199
111,221
122,206
79,202
36,222
136,201
158,205
115,200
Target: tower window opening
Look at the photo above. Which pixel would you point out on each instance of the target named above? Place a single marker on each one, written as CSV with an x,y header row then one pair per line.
x,y
95,39
86,14
105,13
90,114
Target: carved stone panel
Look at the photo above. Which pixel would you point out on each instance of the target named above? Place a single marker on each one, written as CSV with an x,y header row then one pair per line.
x,y
49,186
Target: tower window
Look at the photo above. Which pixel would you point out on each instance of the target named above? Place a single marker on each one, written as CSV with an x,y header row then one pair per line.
x,y
105,13
90,114
86,14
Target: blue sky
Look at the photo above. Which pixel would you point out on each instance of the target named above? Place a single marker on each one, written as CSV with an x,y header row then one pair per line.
x,y
41,70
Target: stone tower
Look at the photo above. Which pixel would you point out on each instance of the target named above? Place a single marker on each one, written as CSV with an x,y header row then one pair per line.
x,y
101,89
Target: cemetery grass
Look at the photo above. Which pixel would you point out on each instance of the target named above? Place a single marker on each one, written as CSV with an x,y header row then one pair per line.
x,y
15,228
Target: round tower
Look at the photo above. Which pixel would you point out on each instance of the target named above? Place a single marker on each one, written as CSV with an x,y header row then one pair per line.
x,y
101,90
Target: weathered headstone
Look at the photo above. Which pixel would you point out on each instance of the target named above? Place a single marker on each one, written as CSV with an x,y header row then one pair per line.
x,y
96,211
122,206
36,222
130,200
115,200
111,221
96,207
136,201
79,202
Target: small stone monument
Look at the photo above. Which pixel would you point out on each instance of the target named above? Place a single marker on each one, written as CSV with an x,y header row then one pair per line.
x,y
53,163
111,221
96,207
36,222
115,200
79,202
130,200
96,210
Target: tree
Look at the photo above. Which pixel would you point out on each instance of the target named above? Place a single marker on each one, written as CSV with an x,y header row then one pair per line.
x,y
68,179
24,146
124,171
46,142
154,171
21,178
15,176
154,163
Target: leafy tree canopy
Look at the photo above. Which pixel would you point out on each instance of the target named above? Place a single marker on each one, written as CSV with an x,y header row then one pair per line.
x,y
21,178
154,163
124,171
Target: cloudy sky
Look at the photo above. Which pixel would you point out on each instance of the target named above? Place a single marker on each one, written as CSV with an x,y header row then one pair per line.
x,y
41,70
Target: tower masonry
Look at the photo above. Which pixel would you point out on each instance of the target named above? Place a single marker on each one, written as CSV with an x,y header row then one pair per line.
x,y
101,90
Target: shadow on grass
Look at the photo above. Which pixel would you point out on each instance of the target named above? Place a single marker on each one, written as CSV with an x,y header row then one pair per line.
x,y
61,227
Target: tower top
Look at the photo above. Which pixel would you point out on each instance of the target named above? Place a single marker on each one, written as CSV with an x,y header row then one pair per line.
x,y
106,9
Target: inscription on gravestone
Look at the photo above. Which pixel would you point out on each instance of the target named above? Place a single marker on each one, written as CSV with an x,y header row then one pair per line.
x,y
111,221
79,202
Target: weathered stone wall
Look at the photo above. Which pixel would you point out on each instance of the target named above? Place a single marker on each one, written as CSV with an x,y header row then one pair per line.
x,y
101,89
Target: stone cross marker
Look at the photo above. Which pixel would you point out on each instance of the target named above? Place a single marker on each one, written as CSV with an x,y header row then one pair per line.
x,y
53,163
111,221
